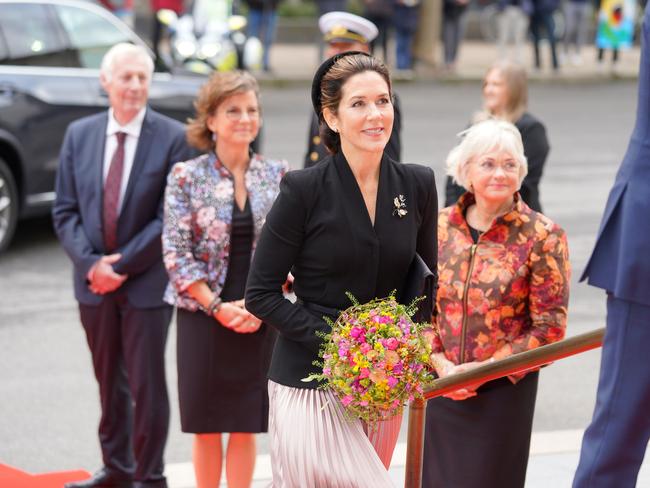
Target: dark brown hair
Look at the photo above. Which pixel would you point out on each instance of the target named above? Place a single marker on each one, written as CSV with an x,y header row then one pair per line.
x,y
218,88
331,90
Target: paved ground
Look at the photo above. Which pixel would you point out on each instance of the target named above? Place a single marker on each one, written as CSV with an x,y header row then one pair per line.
x,y
49,408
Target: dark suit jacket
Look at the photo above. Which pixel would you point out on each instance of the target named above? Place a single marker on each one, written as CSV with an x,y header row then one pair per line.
x,y
316,150
77,211
320,230
536,148
620,262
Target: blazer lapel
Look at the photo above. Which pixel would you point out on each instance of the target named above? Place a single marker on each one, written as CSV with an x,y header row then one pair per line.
x,y
97,143
385,195
145,141
355,206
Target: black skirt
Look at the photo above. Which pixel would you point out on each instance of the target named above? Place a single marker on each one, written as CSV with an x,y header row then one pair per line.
x,y
481,442
222,375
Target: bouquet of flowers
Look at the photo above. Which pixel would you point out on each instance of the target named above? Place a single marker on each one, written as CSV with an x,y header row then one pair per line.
x,y
375,358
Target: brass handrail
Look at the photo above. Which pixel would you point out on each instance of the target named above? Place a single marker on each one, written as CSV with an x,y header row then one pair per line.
x,y
516,363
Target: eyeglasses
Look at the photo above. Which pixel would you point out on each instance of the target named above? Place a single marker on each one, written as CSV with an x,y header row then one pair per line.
x,y
491,166
238,114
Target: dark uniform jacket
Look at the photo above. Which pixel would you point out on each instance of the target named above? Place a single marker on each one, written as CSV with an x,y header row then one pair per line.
x,y
316,151
319,229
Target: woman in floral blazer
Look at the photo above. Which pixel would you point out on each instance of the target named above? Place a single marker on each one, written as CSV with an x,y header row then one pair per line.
x,y
215,206
503,288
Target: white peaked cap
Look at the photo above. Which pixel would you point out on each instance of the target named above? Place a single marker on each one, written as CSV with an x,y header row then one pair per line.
x,y
347,27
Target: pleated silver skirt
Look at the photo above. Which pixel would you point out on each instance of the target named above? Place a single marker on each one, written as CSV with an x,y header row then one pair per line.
x,y
315,445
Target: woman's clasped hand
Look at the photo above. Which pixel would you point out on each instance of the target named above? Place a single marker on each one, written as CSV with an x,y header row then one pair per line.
x,y
234,316
445,368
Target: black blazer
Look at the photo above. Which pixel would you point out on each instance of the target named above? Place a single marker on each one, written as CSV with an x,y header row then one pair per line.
x,y
77,210
536,149
319,229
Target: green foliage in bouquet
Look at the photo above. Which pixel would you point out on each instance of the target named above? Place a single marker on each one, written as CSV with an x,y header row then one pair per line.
x,y
375,358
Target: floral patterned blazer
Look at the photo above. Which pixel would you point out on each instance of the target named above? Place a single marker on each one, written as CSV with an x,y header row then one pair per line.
x,y
199,203
505,294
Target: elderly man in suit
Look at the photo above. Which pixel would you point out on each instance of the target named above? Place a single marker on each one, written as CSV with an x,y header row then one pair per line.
x,y
108,216
615,442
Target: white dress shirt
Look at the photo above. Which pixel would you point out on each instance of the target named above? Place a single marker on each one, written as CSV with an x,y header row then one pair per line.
x,y
132,129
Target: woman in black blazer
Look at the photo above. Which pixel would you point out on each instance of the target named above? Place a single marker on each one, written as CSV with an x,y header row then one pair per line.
x,y
335,227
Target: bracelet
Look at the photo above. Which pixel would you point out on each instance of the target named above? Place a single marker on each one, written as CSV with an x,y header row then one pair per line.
x,y
214,306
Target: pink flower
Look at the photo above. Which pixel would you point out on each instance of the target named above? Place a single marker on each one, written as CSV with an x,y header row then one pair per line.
x,y
365,348
327,371
392,381
403,324
358,332
391,343
346,400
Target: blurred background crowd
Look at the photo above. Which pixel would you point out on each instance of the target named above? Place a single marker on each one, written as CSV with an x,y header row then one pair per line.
x,y
411,32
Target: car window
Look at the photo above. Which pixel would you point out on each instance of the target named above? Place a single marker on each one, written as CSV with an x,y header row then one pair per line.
x,y
90,34
31,36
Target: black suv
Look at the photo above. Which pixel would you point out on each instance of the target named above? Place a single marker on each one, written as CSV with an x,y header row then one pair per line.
x,y
50,53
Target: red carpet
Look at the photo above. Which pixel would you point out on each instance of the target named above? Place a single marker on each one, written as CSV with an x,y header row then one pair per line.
x,y
14,478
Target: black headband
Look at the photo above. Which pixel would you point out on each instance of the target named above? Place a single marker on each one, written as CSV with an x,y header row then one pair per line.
x,y
321,72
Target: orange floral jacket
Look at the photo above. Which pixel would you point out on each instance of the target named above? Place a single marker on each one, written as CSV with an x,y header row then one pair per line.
x,y
505,294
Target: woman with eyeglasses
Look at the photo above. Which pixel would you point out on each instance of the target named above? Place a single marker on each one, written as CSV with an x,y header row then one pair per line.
x,y
215,206
503,288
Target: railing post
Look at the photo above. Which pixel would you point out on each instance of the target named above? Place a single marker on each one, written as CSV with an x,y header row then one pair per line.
x,y
415,444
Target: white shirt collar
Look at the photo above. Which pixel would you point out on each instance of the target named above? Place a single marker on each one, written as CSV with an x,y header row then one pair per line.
x,y
133,128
